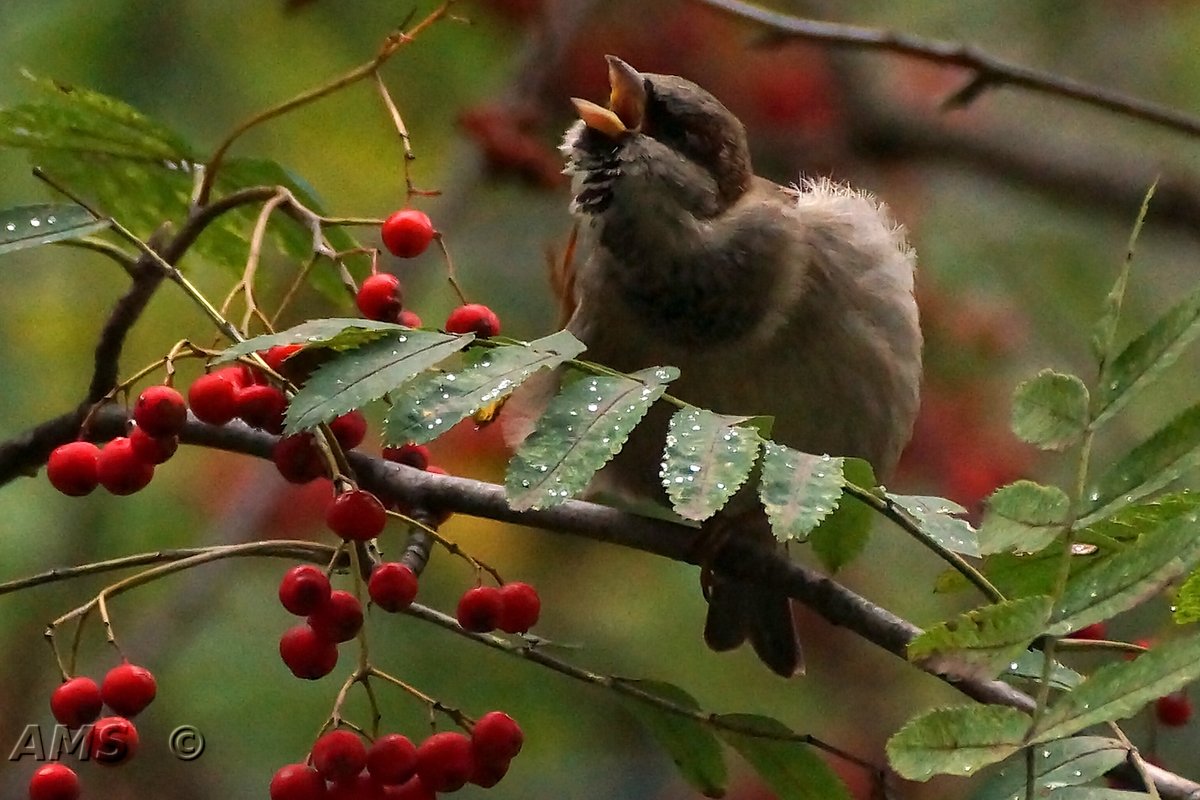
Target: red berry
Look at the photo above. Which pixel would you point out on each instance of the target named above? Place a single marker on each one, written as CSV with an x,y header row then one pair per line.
x,y
479,609
112,741
128,688
445,761
298,459
275,356
119,468
54,781
152,449
76,702
407,233
339,755
519,607
297,782
473,318
488,775
356,516
496,738
307,654
349,429
213,397
1096,631
414,455
72,468
380,297
338,620
392,586
160,411
1174,710
408,319
392,759
412,789
262,406
304,589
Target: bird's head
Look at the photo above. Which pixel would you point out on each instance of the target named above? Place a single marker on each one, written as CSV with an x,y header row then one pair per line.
x,y
659,134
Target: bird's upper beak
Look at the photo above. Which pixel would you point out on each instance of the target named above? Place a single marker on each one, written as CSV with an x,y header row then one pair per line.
x,y
626,102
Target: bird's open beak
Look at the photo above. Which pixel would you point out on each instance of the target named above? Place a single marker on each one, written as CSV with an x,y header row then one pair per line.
x,y
626,102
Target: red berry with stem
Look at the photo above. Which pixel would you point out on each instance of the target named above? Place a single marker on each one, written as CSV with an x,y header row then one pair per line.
x,y
349,429
1174,710
339,755
519,607
297,782
393,586
304,589
76,702
298,458
445,761
152,449
112,741
262,406
473,318
160,411
128,688
407,233
213,397
306,653
72,468
497,738
414,455
380,297
339,619
479,609
54,781
356,516
119,468
392,759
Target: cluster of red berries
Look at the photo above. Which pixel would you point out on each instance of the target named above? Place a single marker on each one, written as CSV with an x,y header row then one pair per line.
x,y
127,689
512,608
341,765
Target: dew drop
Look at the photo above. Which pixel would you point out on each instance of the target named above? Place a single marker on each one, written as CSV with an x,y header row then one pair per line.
x,y
10,227
35,222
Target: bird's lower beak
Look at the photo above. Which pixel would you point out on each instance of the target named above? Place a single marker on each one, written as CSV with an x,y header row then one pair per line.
x,y
626,102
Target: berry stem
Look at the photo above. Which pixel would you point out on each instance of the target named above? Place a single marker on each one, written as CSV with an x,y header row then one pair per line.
x,y
435,705
451,547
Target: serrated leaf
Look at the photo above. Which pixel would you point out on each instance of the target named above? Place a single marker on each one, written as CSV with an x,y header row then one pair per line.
x,y
434,402
1132,521
1066,762
790,768
690,744
936,518
1023,516
1128,577
1050,410
956,741
1185,608
707,458
843,534
356,377
1028,667
1120,688
1172,451
982,642
798,490
583,427
334,333
36,225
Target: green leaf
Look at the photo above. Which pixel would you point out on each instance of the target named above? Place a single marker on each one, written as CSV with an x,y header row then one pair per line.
x,y
1050,410
1023,516
1186,606
935,517
433,403
1128,577
1172,451
843,534
689,743
583,427
1028,667
356,377
1066,762
956,741
798,490
1132,521
33,226
707,458
1105,333
333,333
790,768
1120,688
982,643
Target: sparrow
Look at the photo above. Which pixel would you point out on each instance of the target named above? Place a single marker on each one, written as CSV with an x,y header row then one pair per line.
x,y
794,302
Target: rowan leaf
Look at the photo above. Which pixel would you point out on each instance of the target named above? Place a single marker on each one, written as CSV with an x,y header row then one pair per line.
x,y
842,534
798,490
1065,762
956,741
332,333
36,225
1050,410
1023,516
937,518
983,642
707,458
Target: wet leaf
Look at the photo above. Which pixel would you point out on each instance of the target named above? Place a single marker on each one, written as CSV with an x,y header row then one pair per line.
x,y
333,333
1028,667
843,534
956,741
34,226
936,517
1185,608
982,643
1023,516
790,768
707,458
799,490
689,743
1050,410
1066,762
